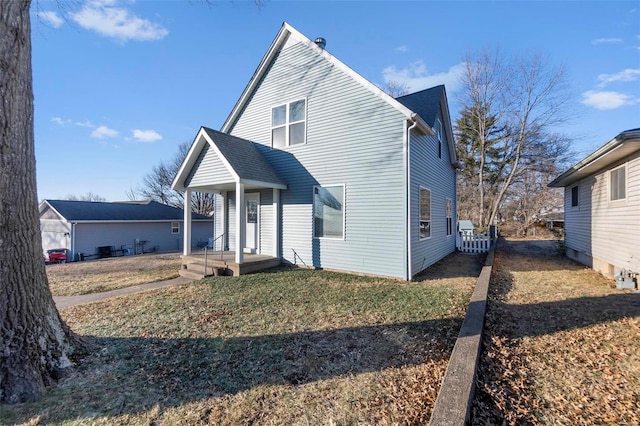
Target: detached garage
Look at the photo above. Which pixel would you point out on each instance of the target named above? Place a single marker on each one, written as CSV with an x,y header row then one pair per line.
x,y
98,229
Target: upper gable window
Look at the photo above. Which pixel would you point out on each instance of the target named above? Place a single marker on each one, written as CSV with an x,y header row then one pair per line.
x,y
288,124
438,128
617,184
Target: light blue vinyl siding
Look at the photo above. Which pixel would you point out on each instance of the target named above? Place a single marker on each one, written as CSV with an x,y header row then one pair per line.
x,y
439,176
265,218
354,138
208,170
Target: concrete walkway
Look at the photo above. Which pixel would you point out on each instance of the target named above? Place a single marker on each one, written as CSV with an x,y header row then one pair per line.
x,y
64,301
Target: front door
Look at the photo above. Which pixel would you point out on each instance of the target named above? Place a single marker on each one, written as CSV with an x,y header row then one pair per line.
x,y
252,202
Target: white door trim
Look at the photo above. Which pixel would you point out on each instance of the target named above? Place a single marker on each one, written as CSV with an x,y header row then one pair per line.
x,y
252,240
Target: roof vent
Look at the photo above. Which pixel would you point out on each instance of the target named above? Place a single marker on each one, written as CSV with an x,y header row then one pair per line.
x,y
320,42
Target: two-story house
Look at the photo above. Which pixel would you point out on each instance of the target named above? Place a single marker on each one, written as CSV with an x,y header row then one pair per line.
x,y
328,170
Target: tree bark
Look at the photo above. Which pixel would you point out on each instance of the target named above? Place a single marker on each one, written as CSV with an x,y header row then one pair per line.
x,y
35,344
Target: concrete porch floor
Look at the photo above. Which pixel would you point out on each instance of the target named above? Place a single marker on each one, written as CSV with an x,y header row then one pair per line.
x,y
195,266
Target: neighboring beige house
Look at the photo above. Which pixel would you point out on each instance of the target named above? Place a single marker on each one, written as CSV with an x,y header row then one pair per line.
x,y
602,206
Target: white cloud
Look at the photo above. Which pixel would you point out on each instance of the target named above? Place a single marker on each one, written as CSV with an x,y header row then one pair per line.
x,y
629,74
61,121
402,48
104,132
416,76
607,40
607,100
85,123
105,18
51,18
146,135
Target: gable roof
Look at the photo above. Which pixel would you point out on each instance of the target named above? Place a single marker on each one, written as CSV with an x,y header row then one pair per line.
x,y
93,211
427,103
240,156
623,145
286,33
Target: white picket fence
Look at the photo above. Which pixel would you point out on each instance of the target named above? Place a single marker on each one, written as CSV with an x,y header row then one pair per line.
x,y
473,243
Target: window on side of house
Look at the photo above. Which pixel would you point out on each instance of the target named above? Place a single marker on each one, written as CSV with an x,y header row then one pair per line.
x,y
575,193
438,129
425,213
328,211
175,227
449,214
288,124
618,184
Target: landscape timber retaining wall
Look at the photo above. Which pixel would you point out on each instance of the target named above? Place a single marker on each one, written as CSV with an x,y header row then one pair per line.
x,y
455,397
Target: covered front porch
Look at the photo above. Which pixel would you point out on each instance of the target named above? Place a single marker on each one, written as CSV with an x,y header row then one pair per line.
x,y
246,188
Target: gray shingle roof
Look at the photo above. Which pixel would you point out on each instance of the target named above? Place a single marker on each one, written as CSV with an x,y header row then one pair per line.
x,y
122,211
425,102
244,157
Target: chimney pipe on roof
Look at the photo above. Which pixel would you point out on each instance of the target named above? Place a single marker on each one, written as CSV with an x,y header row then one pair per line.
x,y
320,42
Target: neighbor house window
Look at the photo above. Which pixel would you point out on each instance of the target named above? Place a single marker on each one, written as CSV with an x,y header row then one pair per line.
x,y
449,213
574,196
288,124
617,184
175,227
425,213
328,211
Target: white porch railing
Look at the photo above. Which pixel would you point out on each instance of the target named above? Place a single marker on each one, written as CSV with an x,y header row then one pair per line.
x,y
473,243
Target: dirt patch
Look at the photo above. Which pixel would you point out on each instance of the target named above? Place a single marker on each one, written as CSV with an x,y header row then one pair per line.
x,y
560,343
69,279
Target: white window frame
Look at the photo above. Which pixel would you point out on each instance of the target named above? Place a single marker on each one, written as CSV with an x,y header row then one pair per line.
x,y
175,227
448,212
344,202
610,185
577,189
420,215
287,123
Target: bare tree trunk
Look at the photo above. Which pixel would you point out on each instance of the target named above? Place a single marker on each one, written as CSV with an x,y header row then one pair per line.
x,y
35,345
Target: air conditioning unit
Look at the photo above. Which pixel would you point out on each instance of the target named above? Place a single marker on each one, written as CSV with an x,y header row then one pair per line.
x,y
625,280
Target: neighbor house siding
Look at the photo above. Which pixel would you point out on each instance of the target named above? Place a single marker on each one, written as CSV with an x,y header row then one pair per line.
x,y
439,176
208,169
578,220
616,224
90,236
354,138
55,234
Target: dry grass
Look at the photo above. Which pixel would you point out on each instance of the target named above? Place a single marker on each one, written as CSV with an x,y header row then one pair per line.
x,y
282,347
68,279
561,343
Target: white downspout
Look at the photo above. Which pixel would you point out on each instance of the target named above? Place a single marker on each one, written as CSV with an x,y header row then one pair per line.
x,y
408,199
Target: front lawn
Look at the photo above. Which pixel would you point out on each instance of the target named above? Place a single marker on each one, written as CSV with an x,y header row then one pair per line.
x,y
69,279
288,346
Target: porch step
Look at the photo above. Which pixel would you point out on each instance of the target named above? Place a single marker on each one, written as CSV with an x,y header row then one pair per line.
x,y
190,274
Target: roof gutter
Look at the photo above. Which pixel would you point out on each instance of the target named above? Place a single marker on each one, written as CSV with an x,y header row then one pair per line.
x,y
605,149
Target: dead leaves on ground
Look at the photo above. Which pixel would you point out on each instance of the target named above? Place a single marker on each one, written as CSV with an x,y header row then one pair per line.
x,y
585,373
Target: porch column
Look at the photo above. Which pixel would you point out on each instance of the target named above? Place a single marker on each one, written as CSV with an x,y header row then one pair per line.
x,y
186,249
241,223
223,220
276,222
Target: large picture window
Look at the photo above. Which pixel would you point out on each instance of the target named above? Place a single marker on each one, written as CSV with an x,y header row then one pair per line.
x,y
425,213
288,124
618,184
328,211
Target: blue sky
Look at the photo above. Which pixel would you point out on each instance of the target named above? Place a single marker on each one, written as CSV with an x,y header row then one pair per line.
x,y
118,84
